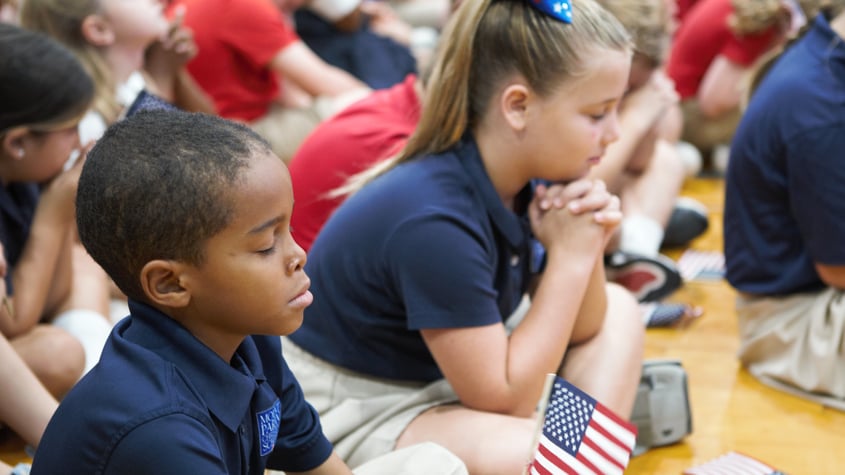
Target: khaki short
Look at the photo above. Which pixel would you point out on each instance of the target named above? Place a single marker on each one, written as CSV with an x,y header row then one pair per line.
x,y
704,132
796,343
362,416
287,127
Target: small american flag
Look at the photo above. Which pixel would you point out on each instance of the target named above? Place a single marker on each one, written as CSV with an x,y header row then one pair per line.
x,y
579,435
733,463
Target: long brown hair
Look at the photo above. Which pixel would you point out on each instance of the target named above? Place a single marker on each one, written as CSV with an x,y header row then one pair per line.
x,y
487,41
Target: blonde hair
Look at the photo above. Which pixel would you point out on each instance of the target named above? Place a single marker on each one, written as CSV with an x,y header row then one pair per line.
x,y
485,42
62,19
811,8
649,23
754,16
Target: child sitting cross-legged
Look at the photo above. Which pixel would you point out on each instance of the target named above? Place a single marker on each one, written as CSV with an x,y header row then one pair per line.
x,y
189,214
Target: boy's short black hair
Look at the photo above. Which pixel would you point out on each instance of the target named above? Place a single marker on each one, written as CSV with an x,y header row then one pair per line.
x,y
156,186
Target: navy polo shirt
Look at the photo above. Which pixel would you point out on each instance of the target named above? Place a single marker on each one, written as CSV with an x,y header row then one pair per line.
x,y
17,209
429,244
785,185
161,402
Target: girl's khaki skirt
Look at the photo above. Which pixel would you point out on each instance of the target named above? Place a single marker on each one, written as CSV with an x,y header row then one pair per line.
x,y
361,415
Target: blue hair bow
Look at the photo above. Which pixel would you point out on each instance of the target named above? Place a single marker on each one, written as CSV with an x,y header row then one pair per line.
x,y
557,9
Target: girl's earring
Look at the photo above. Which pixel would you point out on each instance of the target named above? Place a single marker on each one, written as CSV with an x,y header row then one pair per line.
x,y
20,152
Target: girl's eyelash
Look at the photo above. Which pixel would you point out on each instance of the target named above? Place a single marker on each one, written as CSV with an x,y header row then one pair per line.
x,y
268,251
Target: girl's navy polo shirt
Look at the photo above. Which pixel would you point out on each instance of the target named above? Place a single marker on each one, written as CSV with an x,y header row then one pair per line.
x,y
430,244
160,401
18,202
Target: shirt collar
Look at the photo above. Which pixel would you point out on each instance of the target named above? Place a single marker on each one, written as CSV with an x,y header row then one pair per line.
x,y
226,390
825,43
507,222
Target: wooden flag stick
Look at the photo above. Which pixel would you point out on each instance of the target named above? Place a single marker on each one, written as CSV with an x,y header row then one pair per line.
x,y
541,418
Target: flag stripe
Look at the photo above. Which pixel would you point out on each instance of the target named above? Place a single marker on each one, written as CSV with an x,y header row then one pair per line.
x,y
622,430
595,459
561,458
612,446
601,451
578,435
732,463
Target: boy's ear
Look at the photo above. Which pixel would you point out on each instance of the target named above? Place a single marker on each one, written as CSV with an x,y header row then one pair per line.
x,y
97,30
514,103
162,283
13,143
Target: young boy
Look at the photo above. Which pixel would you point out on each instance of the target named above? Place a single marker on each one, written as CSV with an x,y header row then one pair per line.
x,y
189,214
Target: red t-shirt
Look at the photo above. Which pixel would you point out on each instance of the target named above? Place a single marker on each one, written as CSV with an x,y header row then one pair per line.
x,y
370,130
682,8
702,36
236,40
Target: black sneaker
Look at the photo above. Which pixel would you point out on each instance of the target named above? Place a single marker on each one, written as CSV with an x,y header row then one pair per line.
x,y
648,278
688,221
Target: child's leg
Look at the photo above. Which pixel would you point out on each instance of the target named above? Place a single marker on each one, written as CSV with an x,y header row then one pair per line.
x,y
54,356
648,199
607,367
488,443
25,404
85,313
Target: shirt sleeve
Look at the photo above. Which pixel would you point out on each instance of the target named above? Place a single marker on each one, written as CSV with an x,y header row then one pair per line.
x,y
257,30
816,194
745,50
301,445
444,269
190,448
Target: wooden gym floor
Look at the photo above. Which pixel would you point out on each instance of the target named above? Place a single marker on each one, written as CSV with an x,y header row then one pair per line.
x,y
731,410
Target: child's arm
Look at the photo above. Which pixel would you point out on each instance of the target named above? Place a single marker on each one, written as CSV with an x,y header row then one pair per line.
x,y
164,65
721,90
496,372
298,64
42,276
640,115
334,465
25,405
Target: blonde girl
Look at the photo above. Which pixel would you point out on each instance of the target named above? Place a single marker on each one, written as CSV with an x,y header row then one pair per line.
x,y
421,268
112,39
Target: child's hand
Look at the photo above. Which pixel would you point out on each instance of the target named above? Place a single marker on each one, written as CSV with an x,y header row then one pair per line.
x,y
385,22
170,53
578,215
60,192
646,105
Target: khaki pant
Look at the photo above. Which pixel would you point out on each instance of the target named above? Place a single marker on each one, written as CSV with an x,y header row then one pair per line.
x,y
421,459
704,132
287,127
796,343
363,416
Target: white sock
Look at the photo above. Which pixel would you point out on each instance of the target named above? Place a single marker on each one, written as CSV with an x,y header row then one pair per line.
x,y
90,328
641,235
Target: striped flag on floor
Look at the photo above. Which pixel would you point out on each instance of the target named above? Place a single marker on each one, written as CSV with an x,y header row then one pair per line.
x,y
579,435
733,463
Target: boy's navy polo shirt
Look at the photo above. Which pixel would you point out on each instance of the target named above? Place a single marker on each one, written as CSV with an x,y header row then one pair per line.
x,y
785,185
161,402
430,244
17,209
